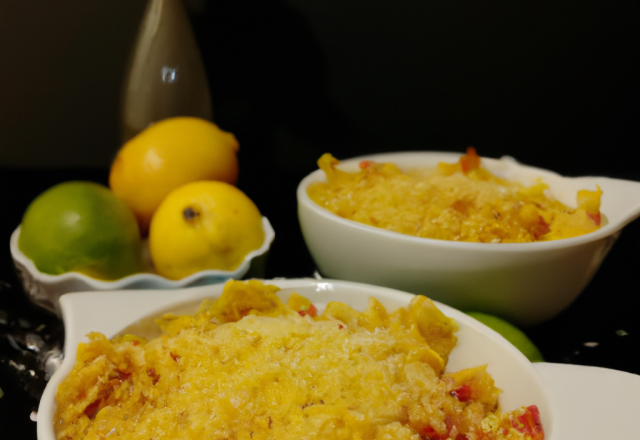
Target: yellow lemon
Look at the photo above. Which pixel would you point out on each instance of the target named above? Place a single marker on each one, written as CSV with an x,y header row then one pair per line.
x,y
166,155
203,225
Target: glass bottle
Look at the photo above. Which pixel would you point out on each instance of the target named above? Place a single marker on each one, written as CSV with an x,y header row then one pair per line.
x,y
165,76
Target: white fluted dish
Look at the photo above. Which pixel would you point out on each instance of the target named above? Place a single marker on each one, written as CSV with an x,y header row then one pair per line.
x,y
526,283
45,290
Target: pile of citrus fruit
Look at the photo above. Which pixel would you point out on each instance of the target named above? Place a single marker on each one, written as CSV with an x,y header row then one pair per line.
x,y
173,184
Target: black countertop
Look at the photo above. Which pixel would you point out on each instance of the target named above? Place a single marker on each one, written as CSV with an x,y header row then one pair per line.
x,y
601,328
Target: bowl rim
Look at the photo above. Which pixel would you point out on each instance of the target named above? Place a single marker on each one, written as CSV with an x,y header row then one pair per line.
x,y
243,268
538,246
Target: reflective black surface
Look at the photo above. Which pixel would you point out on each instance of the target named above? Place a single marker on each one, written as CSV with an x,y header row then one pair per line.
x,y
601,328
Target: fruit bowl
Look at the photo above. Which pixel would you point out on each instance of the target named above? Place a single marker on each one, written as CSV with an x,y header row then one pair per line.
x,y
45,290
526,283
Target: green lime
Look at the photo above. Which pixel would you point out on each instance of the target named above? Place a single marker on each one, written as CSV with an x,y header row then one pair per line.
x,y
81,227
511,334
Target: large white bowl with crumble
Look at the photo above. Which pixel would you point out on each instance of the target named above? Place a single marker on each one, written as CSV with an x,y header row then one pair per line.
x,y
526,283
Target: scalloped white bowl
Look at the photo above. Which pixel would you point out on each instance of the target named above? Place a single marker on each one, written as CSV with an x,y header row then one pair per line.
x,y
526,283
45,290
111,312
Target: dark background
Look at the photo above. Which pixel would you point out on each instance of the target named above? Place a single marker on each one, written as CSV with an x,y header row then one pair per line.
x,y
554,84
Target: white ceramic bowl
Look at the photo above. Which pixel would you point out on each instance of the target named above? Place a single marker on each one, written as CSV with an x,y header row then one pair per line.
x,y
110,312
45,290
526,283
